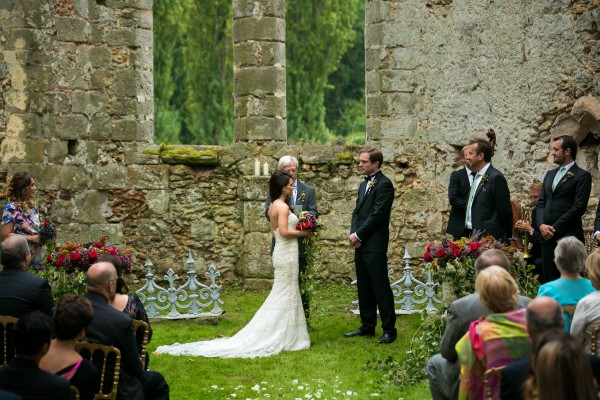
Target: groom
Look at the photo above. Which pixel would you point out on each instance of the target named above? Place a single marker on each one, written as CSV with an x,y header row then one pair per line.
x,y
303,198
369,235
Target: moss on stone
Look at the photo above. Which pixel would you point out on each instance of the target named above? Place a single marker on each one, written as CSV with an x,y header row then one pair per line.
x,y
171,154
345,157
152,152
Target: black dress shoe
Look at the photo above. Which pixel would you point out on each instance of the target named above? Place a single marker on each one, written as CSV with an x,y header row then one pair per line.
x,y
387,338
360,332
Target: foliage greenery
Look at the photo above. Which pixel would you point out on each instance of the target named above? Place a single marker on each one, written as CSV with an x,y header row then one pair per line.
x,y
193,71
333,367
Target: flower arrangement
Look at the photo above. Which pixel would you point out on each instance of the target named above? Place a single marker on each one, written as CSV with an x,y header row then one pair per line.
x,y
308,278
73,257
307,222
47,232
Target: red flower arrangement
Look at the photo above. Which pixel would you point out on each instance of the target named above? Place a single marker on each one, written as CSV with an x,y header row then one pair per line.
x,y
307,222
72,257
459,249
47,232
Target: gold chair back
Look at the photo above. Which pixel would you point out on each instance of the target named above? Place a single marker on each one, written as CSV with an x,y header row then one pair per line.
x,y
594,347
142,331
8,346
486,381
107,360
75,392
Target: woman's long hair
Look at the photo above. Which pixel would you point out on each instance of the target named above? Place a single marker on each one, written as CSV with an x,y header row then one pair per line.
x,y
559,370
18,188
278,181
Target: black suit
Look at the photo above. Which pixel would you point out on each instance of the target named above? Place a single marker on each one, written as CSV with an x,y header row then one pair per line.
x,y
26,379
458,195
115,328
491,213
514,376
22,293
562,208
597,220
370,223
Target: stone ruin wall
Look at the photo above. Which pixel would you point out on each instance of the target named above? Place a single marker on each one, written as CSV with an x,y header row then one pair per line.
x,y
76,111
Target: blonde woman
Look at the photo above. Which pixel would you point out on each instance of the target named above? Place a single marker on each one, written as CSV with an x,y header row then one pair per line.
x,y
587,313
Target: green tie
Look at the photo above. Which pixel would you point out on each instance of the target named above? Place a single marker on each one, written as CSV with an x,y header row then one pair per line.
x,y
558,177
471,195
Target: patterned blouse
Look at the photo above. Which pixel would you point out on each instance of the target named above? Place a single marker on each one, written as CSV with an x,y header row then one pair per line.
x,y
26,223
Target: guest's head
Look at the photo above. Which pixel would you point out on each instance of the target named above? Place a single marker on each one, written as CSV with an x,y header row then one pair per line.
x,y
116,262
564,150
102,279
570,255
542,315
288,164
32,334
534,192
497,290
21,188
370,160
15,252
592,267
559,370
479,154
492,257
278,183
72,316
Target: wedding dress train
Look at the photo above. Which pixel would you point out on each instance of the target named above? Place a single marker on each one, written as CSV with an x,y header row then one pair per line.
x,y
279,324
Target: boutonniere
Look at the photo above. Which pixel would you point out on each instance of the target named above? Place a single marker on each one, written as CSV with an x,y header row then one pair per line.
x,y
372,184
569,175
302,196
484,179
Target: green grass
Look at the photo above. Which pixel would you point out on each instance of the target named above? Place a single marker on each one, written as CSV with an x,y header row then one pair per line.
x,y
332,368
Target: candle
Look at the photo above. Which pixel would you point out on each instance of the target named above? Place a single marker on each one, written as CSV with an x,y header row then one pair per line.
x,y
256,167
265,169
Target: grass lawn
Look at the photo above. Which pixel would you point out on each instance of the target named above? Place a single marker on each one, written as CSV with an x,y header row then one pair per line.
x,y
332,368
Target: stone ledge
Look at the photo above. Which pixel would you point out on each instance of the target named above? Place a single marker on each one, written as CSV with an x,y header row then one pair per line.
x,y
189,155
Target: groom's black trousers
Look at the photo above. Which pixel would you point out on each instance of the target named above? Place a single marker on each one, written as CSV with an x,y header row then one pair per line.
x,y
374,291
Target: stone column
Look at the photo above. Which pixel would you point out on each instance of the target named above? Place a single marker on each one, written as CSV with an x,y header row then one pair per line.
x,y
259,70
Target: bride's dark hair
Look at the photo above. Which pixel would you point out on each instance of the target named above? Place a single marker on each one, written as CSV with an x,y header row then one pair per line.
x,y
278,181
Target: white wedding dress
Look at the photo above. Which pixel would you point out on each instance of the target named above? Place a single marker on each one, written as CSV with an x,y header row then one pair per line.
x,y
278,325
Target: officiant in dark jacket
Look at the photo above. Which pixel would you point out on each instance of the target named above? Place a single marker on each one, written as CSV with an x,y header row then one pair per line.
x,y
458,195
303,198
369,235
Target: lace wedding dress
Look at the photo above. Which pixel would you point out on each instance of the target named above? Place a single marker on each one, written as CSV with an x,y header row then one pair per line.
x,y
279,324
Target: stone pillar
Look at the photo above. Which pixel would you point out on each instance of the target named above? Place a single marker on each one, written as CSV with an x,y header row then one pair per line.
x,y
259,70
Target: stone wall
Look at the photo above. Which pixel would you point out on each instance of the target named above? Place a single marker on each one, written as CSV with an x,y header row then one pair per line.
x,y
76,110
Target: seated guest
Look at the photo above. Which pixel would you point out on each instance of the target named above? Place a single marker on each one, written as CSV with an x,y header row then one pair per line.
x,y
4,395
543,315
20,291
443,369
587,314
569,256
71,317
493,341
560,371
114,328
127,303
22,375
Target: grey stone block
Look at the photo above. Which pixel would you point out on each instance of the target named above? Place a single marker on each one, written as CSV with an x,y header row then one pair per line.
x,y
72,127
259,81
20,150
72,29
92,207
124,83
57,151
89,103
73,177
261,8
24,126
267,28
141,4
100,127
147,176
260,129
259,53
269,106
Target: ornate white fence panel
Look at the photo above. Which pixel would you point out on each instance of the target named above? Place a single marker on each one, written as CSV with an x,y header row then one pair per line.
x,y
410,292
193,296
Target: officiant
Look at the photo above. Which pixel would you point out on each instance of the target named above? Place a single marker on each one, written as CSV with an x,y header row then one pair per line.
x,y
303,198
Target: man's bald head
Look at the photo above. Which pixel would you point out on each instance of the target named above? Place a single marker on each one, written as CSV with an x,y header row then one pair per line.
x,y
15,252
543,313
99,278
492,257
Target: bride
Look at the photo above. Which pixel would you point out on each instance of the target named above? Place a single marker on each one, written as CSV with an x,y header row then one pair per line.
x,y
279,325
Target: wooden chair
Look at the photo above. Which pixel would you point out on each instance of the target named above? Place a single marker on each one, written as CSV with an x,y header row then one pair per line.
x,y
142,331
8,345
486,381
107,360
594,347
75,392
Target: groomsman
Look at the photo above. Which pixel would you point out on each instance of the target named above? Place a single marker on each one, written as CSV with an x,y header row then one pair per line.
x,y
458,195
369,235
488,206
562,202
303,198
597,225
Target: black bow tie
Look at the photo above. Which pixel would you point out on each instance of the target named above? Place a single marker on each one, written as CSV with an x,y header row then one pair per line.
x,y
369,177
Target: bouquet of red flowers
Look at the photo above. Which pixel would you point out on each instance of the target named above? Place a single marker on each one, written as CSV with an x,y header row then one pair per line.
x,y
47,232
460,249
74,257
307,222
